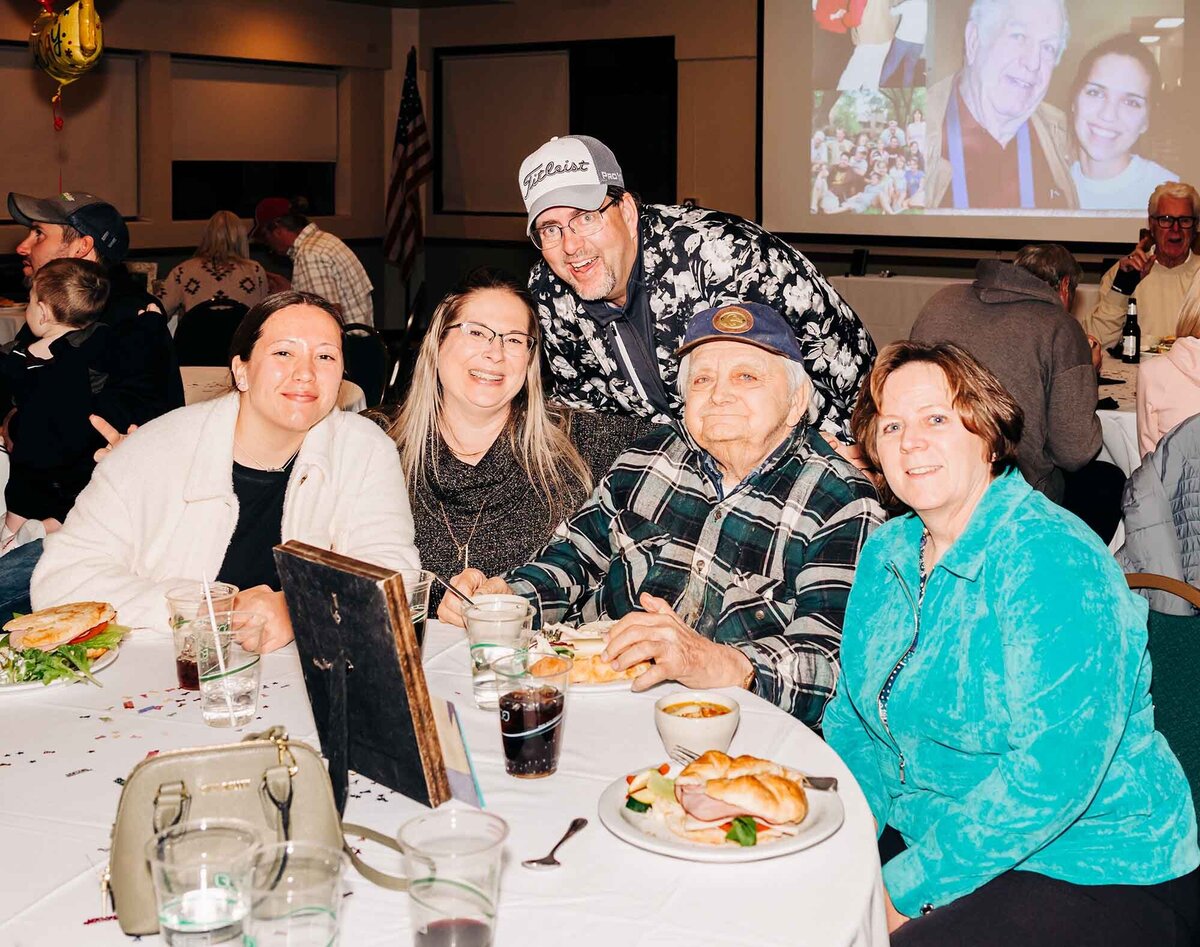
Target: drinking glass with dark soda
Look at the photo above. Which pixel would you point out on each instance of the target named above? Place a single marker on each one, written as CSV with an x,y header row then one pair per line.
x,y
532,689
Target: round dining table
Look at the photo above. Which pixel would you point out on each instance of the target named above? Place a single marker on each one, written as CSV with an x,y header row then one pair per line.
x,y
67,748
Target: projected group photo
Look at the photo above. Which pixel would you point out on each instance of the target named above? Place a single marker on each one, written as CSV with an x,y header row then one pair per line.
x,y
1014,107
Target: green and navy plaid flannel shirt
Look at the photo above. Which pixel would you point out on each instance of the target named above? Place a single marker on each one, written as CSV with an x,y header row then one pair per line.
x,y
766,568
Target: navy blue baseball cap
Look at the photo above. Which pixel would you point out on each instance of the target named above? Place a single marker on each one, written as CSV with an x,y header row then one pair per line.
x,y
87,213
752,323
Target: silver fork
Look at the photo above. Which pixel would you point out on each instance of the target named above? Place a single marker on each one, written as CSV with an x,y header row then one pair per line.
x,y
681,754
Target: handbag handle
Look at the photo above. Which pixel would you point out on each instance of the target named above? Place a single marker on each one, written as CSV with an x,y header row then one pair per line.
x,y
374,875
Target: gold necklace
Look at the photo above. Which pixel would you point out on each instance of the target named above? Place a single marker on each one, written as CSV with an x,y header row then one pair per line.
x,y
265,467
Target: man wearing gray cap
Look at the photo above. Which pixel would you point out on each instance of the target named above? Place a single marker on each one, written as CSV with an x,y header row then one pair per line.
x,y
144,374
143,378
619,281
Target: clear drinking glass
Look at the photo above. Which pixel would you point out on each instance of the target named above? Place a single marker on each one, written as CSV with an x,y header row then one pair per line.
x,y
496,627
452,859
416,587
532,691
295,895
186,602
201,873
230,667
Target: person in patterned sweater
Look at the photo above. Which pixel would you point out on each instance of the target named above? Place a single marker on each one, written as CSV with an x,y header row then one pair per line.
x,y
725,544
620,280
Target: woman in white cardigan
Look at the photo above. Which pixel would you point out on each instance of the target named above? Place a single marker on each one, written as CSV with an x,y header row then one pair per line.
x,y
209,489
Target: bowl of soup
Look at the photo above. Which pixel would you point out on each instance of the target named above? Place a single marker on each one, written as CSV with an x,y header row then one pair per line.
x,y
696,721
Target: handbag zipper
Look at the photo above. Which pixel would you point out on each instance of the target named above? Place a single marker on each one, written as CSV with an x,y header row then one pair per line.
x,y
890,680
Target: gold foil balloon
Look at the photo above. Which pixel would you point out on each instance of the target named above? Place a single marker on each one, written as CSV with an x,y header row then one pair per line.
x,y
66,45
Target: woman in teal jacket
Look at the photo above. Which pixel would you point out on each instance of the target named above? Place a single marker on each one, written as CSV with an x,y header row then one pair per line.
x,y
994,696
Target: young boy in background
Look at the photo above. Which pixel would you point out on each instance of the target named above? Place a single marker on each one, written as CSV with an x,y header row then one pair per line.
x,y
52,382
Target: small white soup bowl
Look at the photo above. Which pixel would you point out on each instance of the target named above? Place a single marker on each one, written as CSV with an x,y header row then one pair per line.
x,y
696,734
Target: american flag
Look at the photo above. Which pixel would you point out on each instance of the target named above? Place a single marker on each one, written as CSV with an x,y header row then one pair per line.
x,y
412,162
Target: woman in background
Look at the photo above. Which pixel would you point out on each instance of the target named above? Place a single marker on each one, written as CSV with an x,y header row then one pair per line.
x,y
490,468
221,269
1111,103
1168,387
994,699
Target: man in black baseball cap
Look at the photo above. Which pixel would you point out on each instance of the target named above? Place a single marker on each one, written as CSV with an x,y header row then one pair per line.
x,y
81,225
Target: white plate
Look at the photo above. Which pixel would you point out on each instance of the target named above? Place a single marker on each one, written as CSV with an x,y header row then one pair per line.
x,y
825,816
98,665
607,687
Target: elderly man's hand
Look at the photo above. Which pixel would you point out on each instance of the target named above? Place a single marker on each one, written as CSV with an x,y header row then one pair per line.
x,y
1141,259
1097,352
679,653
470,582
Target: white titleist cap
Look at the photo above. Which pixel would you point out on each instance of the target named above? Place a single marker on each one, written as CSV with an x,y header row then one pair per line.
x,y
571,171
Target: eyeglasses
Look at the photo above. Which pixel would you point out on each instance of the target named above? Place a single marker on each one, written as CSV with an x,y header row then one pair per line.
x,y
582,225
1167,222
479,335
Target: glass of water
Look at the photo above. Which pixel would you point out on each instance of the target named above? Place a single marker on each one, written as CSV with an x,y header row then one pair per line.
x,y
229,666
416,587
201,872
497,625
295,895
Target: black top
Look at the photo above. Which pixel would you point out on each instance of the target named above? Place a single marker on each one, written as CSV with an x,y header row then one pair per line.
x,y
53,441
249,560
489,515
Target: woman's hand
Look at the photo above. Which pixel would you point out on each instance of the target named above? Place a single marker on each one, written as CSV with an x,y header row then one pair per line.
x,y
895,920
679,653
263,600
110,434
470,582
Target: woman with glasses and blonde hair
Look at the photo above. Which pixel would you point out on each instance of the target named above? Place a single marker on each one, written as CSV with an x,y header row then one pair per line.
x,y
1168,388
221,269
491,468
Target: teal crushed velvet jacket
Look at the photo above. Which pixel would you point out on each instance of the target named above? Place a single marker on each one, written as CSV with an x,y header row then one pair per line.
x,y
1023,717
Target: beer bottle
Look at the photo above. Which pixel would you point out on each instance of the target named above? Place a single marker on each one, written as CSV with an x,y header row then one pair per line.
x,y
1131,335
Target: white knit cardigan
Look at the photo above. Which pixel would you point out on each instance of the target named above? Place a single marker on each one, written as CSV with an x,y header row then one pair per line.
x,y
160,509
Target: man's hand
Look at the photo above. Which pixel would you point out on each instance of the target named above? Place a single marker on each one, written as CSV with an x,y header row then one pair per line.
x,y
470,582
1141,259
277,283
110,434
1097,352
678,652
262,600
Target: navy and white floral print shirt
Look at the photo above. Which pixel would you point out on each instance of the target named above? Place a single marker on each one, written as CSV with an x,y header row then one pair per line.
x,y
694,259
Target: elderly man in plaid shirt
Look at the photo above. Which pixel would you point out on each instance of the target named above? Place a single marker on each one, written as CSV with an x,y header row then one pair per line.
x,y
726,545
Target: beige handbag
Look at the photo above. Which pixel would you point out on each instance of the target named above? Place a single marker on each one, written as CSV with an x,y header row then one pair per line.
x,y
279,786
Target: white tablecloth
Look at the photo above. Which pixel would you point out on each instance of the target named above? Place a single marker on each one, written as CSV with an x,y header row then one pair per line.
x,y
1119,426
889,306
204,382
63,749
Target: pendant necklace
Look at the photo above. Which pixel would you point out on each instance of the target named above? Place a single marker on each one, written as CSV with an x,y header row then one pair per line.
x,y
266,467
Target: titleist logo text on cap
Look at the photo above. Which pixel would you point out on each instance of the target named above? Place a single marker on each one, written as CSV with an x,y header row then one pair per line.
x,y
547,169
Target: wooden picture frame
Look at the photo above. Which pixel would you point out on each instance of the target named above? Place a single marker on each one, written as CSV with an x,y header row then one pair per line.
x,y
362,669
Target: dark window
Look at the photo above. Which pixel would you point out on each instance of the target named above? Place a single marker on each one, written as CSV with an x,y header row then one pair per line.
x,y
201,188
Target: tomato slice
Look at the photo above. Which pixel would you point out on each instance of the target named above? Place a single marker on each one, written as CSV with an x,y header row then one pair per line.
x,y
89,634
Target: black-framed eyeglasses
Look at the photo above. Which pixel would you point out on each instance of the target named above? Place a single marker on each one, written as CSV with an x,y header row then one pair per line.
x,y
1167,222
583,224
511,343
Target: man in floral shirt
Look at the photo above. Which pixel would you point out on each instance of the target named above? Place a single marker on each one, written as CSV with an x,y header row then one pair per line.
x,y
619,282
725,543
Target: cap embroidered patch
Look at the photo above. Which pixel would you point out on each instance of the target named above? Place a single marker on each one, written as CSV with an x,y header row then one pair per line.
x,y
733,319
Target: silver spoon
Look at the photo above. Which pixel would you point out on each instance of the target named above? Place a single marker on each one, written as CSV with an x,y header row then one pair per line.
x,y
550,861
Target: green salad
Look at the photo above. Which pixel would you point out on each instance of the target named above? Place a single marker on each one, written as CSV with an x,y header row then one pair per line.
x,y
68,661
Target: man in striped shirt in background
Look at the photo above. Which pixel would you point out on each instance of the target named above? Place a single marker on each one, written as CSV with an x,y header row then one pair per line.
x,y
321,263
725,543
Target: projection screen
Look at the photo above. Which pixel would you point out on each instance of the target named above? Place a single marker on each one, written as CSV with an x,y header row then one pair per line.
x,y
994,119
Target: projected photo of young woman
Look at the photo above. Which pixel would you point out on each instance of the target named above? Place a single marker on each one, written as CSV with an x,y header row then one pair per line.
x,y
1111,105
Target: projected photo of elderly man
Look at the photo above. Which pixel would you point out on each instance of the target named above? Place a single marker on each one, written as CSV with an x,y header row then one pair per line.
x,y
724,545
991,140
